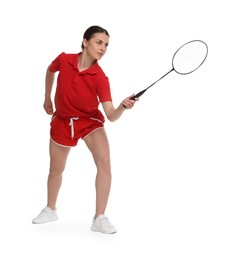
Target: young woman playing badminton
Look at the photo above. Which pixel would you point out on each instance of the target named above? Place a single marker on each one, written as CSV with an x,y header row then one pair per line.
x,y
81,85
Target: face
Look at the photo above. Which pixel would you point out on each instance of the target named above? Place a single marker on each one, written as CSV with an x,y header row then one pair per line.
x,y
96,47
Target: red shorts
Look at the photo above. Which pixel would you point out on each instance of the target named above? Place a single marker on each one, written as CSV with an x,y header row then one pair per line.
x,y
67,132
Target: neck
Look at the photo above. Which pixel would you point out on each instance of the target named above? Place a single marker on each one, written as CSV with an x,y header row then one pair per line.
x,y
85,61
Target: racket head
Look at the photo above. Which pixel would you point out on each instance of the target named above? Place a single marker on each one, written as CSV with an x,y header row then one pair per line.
x,y
189,57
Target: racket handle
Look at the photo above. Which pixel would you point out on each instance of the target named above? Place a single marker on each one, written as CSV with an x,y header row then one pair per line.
x,y
137,95
132,98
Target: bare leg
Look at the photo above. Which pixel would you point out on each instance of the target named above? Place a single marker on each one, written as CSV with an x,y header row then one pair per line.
x,y
58,157
97,143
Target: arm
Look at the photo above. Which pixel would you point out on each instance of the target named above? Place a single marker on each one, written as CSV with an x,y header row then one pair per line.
x,y
112,113
49,79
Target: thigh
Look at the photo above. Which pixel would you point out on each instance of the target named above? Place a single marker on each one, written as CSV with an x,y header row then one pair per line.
x,y
58,156
97,143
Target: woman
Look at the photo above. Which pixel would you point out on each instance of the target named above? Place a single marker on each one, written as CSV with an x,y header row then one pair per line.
x,y
81,86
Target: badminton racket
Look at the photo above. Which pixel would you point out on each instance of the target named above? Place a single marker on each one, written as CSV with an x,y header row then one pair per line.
x,y
188,58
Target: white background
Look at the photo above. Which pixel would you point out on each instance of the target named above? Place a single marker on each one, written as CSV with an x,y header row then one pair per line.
x,y
169,197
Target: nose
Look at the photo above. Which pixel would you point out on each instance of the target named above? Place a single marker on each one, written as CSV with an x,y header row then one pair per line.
x,y
103,48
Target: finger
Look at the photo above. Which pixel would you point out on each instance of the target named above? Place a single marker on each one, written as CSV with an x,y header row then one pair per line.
x,y
128,103
49,111
131,97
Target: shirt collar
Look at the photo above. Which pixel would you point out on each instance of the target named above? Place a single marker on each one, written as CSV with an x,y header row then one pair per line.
x,y
73,60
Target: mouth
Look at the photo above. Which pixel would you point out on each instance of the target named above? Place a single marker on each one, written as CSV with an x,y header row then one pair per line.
x,y
100,54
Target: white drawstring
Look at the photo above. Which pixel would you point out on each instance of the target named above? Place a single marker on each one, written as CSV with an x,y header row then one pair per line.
x,y
72,125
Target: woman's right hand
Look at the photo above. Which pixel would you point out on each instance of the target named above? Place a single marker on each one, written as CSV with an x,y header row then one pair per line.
x,y
48,106
128,103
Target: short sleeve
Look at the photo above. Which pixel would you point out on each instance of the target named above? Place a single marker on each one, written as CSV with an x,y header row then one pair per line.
x,y
103,89
55,65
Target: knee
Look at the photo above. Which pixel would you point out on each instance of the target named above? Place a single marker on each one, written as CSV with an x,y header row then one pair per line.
x,y
103,163
56,169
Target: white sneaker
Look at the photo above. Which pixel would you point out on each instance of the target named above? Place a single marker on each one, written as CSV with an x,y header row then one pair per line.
x,y
46,215
103,225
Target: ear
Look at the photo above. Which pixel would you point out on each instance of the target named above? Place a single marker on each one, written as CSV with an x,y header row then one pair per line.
x,y
85,43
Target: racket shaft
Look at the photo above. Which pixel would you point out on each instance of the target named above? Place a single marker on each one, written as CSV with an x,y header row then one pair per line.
x,y
144,90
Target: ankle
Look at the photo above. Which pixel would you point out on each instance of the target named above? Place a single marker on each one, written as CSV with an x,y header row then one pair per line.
x,y
99,214
51,207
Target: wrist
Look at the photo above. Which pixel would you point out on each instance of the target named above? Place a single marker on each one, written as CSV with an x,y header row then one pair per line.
x,y
122,107
47,97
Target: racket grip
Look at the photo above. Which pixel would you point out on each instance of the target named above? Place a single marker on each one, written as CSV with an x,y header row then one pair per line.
x,y
133,98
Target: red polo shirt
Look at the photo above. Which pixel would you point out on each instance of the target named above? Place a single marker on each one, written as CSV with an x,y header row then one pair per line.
x,y
78,93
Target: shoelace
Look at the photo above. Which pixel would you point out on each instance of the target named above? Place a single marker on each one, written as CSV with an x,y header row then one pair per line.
x,y
104,221
44,212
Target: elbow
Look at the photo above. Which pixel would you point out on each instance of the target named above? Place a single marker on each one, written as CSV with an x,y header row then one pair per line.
x,y
111,119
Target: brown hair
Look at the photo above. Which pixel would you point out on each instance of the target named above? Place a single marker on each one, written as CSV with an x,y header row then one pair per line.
x,y
88,34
